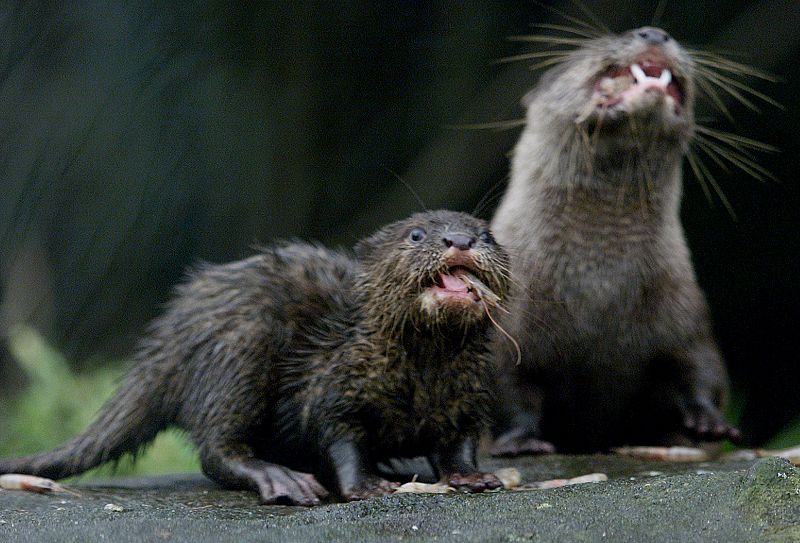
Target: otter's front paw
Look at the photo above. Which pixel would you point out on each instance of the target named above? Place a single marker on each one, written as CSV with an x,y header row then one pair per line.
x,y
705,423
370,487
473,482
282,486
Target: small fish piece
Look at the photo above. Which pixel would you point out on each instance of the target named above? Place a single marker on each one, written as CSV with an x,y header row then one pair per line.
x,y
40,485
510,477
114,508
489,298
556,483
483,292
424,488
666,454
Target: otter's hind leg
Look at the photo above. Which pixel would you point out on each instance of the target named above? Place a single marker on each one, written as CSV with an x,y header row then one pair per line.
x,y
691,386
522,406
234,466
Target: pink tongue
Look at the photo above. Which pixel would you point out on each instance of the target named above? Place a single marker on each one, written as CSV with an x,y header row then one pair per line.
x,y
452,283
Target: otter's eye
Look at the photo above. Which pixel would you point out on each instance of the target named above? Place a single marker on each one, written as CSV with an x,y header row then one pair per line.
x,y
486,237
417,234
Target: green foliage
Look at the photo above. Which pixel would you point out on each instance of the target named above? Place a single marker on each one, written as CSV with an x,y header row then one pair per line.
x,y
58,404
788,437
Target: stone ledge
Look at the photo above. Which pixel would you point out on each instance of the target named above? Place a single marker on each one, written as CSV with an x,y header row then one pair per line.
x,y
642,501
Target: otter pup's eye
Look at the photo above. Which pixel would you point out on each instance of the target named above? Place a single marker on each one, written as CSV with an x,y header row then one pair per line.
x,y
486,237
417,234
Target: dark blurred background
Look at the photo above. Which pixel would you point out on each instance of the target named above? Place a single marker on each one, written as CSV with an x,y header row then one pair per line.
x,y
139,137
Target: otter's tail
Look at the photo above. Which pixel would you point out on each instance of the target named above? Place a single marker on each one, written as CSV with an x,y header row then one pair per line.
x,y
127,422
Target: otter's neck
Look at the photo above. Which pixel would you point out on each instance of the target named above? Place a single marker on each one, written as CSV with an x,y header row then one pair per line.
x,y
632,178
436,347
419,346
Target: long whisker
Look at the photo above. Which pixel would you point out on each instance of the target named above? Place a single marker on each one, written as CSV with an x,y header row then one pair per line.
x,y
723,80
491,195
546,63
741,161
736,145
575,20
568,29
543,38
713,60
503,331
737,140
711,154
731,91
717,188
409,187
592,17
658,13
691,157
492,125
709,90
560,53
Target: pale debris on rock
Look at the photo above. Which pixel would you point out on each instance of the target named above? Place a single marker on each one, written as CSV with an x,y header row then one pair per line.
x,y
510,477
30,483
667,454
555,483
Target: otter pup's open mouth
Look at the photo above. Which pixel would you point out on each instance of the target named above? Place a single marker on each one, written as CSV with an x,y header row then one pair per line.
x,y
450,284
649,72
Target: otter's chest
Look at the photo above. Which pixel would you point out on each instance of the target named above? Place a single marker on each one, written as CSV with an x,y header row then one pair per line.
x,y
596,267
603,282
426,408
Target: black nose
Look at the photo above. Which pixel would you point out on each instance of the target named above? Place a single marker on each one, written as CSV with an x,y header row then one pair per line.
x,y
459,241
654,36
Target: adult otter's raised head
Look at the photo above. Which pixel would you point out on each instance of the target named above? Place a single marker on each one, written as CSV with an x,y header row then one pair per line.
x,y
631,93
645,73
413,272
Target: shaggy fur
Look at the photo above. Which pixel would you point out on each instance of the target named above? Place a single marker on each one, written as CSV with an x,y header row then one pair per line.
x,y
303,358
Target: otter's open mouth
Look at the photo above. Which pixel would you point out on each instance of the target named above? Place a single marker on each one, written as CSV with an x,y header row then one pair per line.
x,y
650,72
449,284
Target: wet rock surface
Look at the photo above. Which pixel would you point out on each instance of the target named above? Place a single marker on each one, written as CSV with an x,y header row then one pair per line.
x,y
747,500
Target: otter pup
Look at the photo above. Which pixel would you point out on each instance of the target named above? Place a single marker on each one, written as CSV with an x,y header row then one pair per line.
x,y
615,332
303,363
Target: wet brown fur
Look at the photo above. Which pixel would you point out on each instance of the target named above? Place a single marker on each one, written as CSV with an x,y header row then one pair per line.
x,y
303,358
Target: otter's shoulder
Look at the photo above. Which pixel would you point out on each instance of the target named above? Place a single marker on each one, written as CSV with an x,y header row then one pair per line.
x,y
282,261
288,272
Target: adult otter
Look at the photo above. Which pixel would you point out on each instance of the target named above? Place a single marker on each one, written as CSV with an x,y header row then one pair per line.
x,y
302,359
615,333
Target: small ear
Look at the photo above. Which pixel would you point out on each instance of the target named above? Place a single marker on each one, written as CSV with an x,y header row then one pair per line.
x,y
363,248
366,248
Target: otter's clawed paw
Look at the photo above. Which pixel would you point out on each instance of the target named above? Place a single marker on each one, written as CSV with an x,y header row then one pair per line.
x,y
282,486
370,487
473,482
705,423
509,445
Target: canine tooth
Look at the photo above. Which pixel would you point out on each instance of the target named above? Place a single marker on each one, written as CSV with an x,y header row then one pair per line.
x,y
638,73
666,77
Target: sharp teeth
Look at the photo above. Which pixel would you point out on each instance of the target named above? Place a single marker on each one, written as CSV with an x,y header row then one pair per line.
x,y
638,73
641,77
